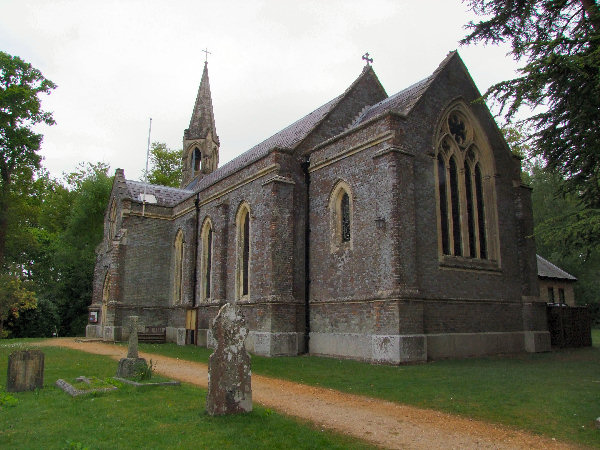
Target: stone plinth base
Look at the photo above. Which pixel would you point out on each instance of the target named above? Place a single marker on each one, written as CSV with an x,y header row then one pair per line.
x,y
263,343
130,367
93,331
384,349
464,345
537,341
110,333
176,335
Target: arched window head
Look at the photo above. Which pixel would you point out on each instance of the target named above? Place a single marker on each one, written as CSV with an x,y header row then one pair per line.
x,y
112,220
197,159
243,226
178,248
206,237
340,206
465,191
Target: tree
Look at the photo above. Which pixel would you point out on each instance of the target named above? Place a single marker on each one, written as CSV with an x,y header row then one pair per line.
x,y
557,219
75,255
166,168
14,298
54,231
20,109
559,42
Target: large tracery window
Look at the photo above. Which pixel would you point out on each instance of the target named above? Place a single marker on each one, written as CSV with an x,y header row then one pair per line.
x,y
463,166
178,268
243,251
206,239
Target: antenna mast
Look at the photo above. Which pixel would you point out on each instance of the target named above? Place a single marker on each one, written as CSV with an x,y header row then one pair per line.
x,y
146,172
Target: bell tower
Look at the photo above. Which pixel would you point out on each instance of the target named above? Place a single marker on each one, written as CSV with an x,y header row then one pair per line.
x,y
200,141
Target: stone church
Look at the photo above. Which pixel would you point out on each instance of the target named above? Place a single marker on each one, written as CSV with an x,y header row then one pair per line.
x,y
383,228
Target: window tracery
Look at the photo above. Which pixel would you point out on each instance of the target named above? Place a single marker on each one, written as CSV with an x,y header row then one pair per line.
x,y
465,191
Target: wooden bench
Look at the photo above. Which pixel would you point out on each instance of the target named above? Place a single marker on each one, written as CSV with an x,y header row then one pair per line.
x,y
153,335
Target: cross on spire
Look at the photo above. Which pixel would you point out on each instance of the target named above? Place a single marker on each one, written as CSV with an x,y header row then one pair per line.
x,y
367,59
210,53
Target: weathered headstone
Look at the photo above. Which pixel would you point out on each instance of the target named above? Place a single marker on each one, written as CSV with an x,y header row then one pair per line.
x,y
25,371
229,376
133,364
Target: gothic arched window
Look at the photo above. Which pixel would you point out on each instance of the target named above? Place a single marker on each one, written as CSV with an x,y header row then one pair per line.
x,y
464,187
243,251
345,217
105,298
197,159
340,206
178,268
206,237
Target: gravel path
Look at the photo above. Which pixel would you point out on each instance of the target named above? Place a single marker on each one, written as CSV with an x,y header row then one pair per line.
x,y
379,422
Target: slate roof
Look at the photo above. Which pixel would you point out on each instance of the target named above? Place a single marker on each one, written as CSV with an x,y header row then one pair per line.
x,y
165,196
548,270
287,138
404,101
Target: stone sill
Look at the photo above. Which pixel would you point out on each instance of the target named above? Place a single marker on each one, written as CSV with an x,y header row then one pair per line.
x,y
462,263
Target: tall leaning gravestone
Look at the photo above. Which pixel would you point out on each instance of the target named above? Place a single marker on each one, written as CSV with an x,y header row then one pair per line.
x,y
25,371
229,377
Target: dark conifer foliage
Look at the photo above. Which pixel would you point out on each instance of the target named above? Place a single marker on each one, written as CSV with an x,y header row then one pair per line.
x,y
558,40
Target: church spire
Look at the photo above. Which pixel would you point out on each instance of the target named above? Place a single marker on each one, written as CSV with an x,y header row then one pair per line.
x,y
203,119
200,140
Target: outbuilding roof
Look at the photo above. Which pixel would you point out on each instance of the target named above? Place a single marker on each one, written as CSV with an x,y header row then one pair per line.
x,y
548,270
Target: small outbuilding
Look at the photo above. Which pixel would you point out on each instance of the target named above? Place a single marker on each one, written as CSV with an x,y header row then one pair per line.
x,y
556,285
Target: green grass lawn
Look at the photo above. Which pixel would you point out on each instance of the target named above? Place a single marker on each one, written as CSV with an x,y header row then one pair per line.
x,y
158,417
556,394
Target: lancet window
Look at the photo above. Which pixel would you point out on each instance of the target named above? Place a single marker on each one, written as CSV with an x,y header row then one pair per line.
x,y
197,159
243,251
178,248
340,206
206,237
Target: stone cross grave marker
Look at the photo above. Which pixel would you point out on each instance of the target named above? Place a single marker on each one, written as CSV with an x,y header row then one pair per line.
x,y
229,375
132,345
128,367
25,371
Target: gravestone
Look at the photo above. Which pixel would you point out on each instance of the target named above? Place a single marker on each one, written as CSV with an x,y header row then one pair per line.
x,y
229,376
133,364
25,371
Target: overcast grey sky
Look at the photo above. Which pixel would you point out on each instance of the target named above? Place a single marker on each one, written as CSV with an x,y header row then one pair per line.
x,y
118,63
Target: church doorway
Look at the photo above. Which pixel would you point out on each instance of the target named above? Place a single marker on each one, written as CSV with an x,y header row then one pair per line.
x,y
190,327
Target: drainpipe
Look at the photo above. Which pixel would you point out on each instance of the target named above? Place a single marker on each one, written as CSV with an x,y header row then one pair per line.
x,y
196,240
305,166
